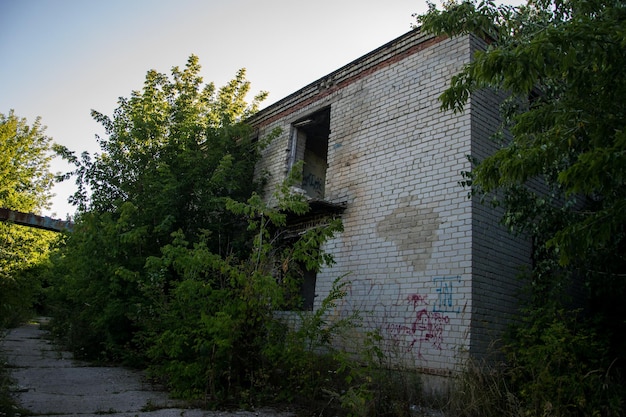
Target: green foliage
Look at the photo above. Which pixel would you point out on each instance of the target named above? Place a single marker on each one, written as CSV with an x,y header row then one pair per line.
x,y
175,152
369,385
213,333
25,182
557,365
558,174
560,367
561,62
94,294
25,179
308,356
559,361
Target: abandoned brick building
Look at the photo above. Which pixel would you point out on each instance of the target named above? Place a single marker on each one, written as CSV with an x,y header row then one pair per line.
x,y
429,268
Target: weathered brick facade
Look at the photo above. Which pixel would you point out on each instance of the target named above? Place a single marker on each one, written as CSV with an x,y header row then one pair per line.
x,y
430,269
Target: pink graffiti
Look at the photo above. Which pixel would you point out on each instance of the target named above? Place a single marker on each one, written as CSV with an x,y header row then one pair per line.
x,y
417,300
427,327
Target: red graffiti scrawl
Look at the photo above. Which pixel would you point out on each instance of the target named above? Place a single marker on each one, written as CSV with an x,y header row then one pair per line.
x,y
427,326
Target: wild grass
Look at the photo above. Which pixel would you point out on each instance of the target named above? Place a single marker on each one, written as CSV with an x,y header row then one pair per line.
x,y
8,405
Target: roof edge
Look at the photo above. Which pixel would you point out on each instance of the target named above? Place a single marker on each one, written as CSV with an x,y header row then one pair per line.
x,y
399,48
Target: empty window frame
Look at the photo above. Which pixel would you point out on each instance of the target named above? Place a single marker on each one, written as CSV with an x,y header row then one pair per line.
x,y
297,281
309,144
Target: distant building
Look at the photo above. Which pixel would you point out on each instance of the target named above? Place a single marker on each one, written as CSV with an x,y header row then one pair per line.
x,y
430,269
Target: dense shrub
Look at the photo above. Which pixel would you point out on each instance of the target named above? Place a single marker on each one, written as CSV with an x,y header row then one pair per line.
x,y
560,366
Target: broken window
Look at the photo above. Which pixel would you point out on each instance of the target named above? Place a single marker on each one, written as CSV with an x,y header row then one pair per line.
x,y
309,144
300,281
299,286
297,281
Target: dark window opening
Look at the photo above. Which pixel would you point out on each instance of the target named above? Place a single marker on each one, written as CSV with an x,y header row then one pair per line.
x,y
297,280
309,144
307,289
300,282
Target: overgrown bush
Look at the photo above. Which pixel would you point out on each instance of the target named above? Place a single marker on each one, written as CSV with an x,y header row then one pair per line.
x,y
560,366
174,153
556,366
330,364
214,328
305,358
21,292
483,389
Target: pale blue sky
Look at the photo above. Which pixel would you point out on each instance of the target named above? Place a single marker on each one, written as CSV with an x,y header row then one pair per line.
x,y
62,58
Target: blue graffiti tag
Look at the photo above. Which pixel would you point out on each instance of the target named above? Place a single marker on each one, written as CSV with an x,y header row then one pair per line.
x,y
445,295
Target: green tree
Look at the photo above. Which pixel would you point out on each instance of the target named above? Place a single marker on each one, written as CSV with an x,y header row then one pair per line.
x,y
25,155
25,184
217,337
560,170
173,153
562,63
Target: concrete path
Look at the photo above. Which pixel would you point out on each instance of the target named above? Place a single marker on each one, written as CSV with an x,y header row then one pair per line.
x,y
51,383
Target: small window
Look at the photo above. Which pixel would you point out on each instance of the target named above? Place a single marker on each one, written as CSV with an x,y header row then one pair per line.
x,y
297,281
309,143
307,288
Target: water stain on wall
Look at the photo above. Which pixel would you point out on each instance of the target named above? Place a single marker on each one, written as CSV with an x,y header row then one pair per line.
x,y
412,228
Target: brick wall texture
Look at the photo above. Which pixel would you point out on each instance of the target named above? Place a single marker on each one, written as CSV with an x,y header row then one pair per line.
x,y
430,270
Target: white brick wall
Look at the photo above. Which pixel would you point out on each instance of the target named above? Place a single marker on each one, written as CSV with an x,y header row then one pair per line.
x,y
427,265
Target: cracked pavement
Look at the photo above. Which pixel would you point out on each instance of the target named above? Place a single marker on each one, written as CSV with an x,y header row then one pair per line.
x,y
50,382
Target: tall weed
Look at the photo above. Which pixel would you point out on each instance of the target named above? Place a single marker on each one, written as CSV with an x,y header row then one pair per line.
x,y
556,366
